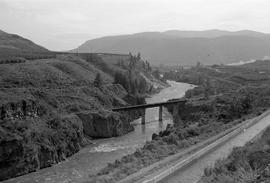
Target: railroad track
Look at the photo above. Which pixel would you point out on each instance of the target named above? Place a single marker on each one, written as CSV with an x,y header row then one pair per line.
x,y
163,170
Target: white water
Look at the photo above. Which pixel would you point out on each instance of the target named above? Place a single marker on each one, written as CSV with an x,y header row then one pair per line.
x,y
91,158
241,62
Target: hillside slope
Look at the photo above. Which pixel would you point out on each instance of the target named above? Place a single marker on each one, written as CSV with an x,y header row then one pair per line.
x,y
49,108
12,44
186,48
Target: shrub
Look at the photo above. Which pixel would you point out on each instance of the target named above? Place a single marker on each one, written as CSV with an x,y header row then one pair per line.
x,y
98,80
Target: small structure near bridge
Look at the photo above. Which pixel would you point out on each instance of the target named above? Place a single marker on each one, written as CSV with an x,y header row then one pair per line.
x,y
143,107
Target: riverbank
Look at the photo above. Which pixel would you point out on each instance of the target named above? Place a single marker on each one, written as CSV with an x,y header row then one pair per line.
x,y
166,143
193,171
214,106
171,168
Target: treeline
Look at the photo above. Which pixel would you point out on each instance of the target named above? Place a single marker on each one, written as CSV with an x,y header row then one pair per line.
x,y
135,61
131,79
98,62
12,61
16,57
132,83
128,75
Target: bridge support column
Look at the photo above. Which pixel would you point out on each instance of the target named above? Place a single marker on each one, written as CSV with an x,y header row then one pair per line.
x,y
175,111
176,118
143,117
160,113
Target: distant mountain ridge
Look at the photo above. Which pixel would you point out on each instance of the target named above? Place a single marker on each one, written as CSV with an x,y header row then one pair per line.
x,y
2,32
214,33
175,47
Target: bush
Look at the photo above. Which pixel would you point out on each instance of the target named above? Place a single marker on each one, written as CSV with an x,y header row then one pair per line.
x,y
98,80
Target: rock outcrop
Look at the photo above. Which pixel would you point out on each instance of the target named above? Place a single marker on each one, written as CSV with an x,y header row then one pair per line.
x,y
104,124
20,110
29,144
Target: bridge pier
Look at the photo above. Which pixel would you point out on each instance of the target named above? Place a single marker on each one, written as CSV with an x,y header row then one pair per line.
x,y
160,113
143,107
176,118
143,117
175,111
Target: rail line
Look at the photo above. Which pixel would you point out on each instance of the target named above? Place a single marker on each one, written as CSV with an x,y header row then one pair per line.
x,y
177,167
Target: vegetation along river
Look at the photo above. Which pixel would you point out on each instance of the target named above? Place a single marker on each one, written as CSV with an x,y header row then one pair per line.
x,y
93,157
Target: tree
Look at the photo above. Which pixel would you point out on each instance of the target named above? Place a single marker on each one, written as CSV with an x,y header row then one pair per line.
x,y
156,74
142,85
198,64
207,88
138,56
122,79
148,65
98,81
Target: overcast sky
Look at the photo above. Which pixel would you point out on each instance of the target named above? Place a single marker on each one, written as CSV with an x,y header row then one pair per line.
x,y
64,24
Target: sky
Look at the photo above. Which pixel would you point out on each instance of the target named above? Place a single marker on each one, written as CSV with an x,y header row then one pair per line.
x,y
65,24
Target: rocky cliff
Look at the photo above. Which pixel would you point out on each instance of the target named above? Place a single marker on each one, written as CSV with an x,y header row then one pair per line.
x,y
104,124
31,138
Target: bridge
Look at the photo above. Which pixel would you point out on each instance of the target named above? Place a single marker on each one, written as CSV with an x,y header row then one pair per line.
x,y
175,103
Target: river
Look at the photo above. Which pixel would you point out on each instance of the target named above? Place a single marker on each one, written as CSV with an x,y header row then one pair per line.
x,y
93,157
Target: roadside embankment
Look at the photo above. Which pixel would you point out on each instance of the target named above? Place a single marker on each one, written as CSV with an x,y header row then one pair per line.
x,y
183,159
249,163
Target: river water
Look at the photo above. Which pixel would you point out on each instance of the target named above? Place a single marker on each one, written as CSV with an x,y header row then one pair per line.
x,y
93,157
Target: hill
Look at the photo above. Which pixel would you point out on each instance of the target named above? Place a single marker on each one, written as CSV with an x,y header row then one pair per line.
x,y
12,44
49,108
213,33
186,47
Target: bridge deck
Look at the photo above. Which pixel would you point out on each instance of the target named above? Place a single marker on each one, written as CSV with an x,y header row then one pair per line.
x,y
144,106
